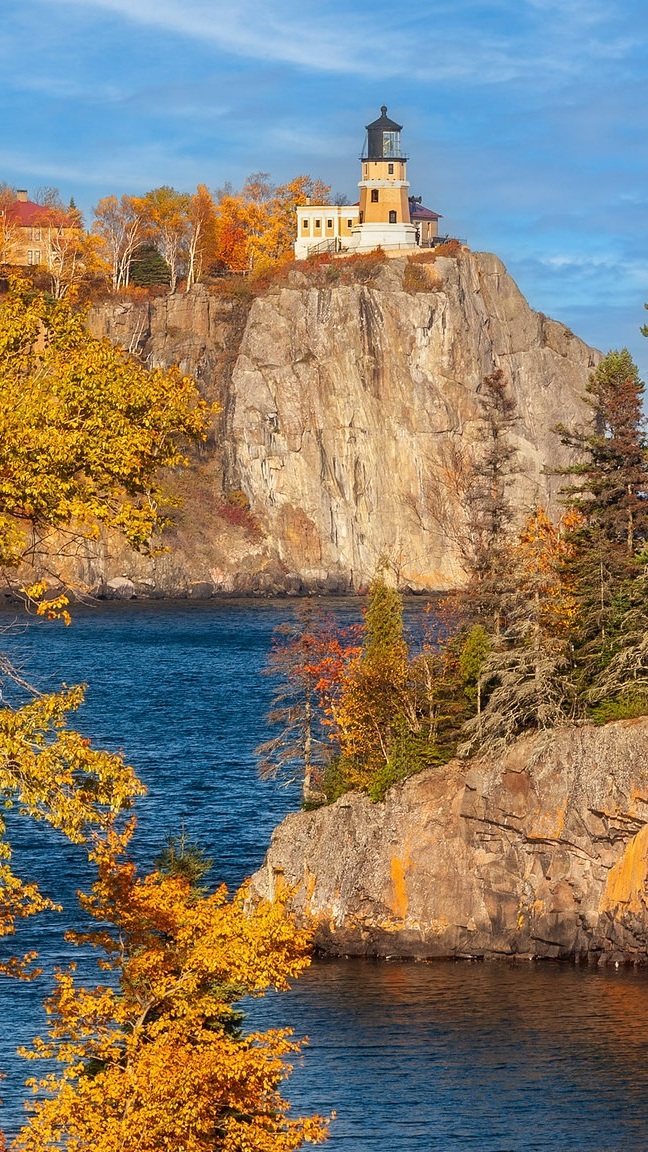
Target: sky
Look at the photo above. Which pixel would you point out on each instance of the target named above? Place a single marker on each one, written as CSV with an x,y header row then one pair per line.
x,y
525,120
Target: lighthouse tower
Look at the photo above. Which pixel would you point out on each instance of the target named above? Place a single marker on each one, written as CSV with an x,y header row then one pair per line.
x,y
384,215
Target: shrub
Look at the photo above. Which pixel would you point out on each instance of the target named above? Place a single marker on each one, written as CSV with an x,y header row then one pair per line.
x,y
449,248
418,278
234,509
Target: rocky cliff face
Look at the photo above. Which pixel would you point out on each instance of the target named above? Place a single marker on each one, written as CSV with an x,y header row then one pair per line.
x,y
541,853
340,405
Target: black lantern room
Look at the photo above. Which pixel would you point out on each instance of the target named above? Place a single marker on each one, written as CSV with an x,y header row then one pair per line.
x,y
383,141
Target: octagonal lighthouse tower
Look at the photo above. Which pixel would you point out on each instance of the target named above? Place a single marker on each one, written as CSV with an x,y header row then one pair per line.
x,y
384,215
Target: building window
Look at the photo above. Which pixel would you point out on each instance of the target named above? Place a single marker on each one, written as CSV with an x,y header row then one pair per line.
x,y
392,217
33,256
390,169
374,195
305,225
35,234
350,223
318,223
329,223
361,217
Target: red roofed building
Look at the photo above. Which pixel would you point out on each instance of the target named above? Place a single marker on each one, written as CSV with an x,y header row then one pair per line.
x,y
29,232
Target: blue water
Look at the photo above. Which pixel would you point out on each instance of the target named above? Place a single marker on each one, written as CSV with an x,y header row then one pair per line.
x,y
496,1058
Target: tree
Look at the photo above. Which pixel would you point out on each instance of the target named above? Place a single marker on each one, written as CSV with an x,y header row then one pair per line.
x,y
84,431
9,225
148,268
69,251
119,226
489,509
524,677
384,721
166,217
609,493
307,660
472,506
273,244
201,243
52,774
160,1060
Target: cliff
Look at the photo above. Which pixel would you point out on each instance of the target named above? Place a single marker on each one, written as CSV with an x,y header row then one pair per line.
x,y
541,853
341,403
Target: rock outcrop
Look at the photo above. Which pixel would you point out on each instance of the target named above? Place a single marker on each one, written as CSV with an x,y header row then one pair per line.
x,y
540,853
341,404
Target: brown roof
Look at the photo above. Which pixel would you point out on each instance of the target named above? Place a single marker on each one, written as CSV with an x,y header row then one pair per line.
x,y
420,212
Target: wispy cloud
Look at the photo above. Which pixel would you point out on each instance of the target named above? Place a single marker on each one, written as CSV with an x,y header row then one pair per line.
x,y
480,47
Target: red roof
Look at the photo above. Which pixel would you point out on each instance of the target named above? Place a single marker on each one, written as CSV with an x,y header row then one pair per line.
x,y
27,214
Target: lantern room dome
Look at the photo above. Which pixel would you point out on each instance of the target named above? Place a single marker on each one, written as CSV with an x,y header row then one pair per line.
x,y
382,141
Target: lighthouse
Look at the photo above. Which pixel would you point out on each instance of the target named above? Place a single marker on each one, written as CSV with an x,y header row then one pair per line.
x,y
385,217
384,212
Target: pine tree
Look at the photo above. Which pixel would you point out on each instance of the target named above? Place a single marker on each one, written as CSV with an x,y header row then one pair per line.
x,y
609,494
489,510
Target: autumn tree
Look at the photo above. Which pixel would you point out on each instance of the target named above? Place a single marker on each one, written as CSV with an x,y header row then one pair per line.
x,y
307,661
84,431
382,710
120,229
157,1058
256,228
273,244
165,214
201,238
52,774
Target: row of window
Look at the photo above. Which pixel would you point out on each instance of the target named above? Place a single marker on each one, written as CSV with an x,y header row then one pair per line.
x,y
318,224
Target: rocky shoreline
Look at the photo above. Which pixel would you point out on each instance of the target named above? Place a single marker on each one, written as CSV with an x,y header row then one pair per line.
x,y
541,853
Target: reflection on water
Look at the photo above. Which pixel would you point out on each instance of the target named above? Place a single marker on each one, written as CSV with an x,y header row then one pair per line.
x,y
495,1058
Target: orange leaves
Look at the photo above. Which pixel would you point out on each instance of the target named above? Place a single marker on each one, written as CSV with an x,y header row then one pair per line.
x,y
161,1062
541,554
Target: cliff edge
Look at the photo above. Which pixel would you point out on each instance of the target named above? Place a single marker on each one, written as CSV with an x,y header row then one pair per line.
x,y
541,853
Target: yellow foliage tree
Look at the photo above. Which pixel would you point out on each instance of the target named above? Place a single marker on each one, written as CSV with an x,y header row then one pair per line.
x,y
273,244
53,774
158,1060
84,430
375,703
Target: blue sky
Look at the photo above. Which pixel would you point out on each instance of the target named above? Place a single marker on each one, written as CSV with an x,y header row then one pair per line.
x,y
525,120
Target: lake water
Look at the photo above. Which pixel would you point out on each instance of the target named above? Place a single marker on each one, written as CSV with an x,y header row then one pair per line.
x,y
490,1057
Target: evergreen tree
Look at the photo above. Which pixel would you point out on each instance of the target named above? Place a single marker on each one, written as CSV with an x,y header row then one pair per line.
x,y
525,680
488,506
610,497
